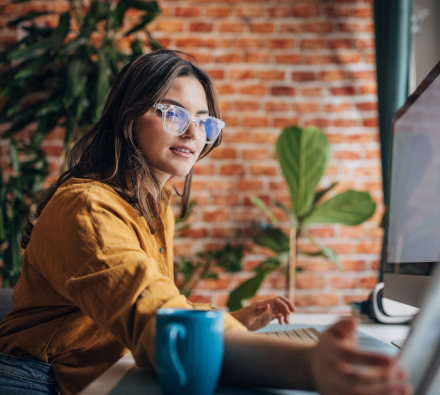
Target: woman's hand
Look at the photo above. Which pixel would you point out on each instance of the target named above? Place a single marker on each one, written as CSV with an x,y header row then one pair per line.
x,y
339,368
259,314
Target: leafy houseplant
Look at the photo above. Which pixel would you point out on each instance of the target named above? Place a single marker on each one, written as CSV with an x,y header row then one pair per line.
x,y
304,155
57,77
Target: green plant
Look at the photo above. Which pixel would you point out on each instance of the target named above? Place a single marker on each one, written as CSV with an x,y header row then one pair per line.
x,y
58,77
304,155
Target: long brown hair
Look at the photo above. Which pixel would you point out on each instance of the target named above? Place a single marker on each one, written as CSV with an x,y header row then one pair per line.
x,y
109,153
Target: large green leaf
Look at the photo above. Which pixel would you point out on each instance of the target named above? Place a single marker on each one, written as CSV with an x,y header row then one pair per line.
x,y
30,15
246,291
303,155
348,208
60,33
273,238
102,85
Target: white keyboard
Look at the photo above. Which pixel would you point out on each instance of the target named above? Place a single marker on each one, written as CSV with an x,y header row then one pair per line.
x,y
303,334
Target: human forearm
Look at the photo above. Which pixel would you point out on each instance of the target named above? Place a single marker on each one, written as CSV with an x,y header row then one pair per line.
x,y
256,360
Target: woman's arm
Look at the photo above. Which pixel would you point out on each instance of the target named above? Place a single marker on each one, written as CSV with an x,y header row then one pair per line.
x,y
334,366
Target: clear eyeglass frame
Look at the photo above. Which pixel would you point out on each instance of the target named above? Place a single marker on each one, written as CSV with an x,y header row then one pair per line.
x,y
166,107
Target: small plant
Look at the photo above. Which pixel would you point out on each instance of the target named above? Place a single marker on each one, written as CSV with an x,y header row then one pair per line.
x,y
304,155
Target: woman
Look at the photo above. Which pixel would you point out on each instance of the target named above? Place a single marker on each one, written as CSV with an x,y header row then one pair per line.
x,y
98,263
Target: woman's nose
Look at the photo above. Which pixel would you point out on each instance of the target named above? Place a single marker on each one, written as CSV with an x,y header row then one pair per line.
x,y
192,131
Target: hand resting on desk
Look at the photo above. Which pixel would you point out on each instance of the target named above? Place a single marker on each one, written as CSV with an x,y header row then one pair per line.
x,y
334,366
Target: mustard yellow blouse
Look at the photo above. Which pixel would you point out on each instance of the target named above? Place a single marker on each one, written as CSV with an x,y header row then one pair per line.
x,y
92,279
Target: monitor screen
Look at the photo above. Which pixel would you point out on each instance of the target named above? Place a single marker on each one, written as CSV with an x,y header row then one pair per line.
x,y
413,226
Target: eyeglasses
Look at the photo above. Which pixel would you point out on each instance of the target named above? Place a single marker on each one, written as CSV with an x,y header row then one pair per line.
x,y
176,120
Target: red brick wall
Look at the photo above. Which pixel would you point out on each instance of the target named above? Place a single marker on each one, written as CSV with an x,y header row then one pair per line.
x,y
277,63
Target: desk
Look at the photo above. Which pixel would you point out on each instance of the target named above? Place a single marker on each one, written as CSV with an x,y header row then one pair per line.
x,y
107,383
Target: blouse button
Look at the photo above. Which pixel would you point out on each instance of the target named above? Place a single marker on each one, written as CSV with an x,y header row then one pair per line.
x,y
142,295
161,250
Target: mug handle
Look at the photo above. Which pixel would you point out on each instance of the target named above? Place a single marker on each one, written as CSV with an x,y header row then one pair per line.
x,y
172,331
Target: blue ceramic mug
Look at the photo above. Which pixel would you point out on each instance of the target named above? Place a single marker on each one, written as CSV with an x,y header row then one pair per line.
x,y
189,350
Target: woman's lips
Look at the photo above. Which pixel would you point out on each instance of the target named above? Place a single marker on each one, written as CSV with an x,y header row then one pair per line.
x,y
181,152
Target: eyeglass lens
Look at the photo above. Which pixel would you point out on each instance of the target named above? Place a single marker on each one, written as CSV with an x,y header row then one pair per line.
x,y
176,121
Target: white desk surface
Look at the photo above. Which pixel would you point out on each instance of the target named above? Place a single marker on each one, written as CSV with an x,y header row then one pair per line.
x,y
104,384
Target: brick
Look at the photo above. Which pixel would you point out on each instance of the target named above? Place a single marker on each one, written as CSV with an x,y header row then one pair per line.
x,y
322,232
249,185
223,153
344,123
341,43
351,266
188,42
203,168
332,75
253,90
237,137
263,170
363,12
316,43
368,282
368,89
230,27
255,154
303,76
294,27
342,91
242,74
306,10
247,12
265,138
276,106
339,282
282,91
50,150
307,107
200,27
364,75
367,106
282,43
228,58
317,122
240,105
216,216
316,92
225,89
217,11
372,247
282,122
340,248
253,57
170,26
288,59
370,122
337,11
320,27
346,155
249,43
307,281
195,233
278,12
225,200
277,186
347,57
318,59
217,43
230,120
261,27
255,121
340,107
187,11
216,185
353,27
217,74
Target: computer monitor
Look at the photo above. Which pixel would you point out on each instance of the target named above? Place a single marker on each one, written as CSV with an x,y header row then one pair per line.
x,y
412,225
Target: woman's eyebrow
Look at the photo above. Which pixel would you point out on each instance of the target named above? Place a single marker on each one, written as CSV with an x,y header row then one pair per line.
x,y
176,103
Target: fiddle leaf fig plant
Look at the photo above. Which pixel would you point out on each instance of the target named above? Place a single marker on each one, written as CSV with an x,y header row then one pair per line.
x,y
304,155
57,77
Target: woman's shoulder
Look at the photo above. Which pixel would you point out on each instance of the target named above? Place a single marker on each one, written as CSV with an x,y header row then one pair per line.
x,y
87,192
